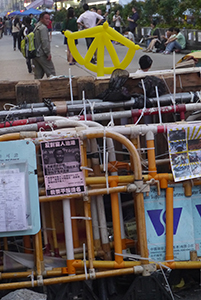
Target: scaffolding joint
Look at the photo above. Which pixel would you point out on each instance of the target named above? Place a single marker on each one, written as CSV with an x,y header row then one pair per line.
x,y
85,195
92,274
142,187
39,280
148,269
131,187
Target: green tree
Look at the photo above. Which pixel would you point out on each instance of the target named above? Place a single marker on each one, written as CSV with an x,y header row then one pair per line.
x,y
167,9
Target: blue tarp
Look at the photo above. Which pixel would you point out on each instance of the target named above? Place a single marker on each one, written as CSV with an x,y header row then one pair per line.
x,y
31,11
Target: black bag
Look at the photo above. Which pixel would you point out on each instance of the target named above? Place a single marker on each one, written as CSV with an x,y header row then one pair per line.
x,y
116,90
150,82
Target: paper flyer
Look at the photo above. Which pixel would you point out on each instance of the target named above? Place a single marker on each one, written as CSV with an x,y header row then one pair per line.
x,y
61,167
184,142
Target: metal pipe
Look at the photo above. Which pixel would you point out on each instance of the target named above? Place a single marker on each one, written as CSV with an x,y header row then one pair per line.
x,y
68,235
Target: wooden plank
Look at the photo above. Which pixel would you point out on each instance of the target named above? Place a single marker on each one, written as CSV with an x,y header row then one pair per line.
x,y
28,92
86,84
7,90
58,88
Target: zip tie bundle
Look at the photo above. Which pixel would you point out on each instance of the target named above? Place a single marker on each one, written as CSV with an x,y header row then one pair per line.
x,y
32,278
86,168
81,218
199,96
91,107
84,261
158,102
106,173
172,99
104,150
85,113
111,123
180,82
169,288
70,84
142,114
192,96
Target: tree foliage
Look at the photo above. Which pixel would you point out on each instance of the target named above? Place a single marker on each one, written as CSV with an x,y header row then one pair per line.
x,y
167,12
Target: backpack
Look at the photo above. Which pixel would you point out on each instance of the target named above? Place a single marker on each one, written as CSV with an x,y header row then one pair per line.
x,y
28,46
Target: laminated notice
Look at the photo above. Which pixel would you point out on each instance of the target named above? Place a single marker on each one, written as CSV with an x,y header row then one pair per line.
x,y
12,201
61,167
184,143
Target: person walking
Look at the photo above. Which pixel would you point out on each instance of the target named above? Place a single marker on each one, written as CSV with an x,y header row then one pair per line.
x,y
15,31
7,25
49,27
88,20
26,29
70,24
1,28
43,61
133,21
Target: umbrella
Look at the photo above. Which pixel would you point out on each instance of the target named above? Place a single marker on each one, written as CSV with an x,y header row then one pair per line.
x,y
15,13
31,11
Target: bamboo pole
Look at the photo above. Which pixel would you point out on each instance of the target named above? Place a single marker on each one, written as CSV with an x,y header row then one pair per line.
x,y
116,225
54,233
169,224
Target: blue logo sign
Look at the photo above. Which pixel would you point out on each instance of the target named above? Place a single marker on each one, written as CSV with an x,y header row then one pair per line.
x,y
158,219
199,209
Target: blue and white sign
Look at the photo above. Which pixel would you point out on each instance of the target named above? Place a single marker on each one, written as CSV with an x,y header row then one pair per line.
x,y
185,236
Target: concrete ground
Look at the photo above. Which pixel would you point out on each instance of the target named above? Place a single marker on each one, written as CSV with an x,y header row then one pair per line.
x,y
13,65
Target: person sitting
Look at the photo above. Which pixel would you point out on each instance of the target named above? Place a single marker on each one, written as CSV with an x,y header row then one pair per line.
x,y
177,42
153,38
145,63
129,35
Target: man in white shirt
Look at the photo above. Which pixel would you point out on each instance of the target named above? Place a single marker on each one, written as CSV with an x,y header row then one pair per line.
x,y
88,20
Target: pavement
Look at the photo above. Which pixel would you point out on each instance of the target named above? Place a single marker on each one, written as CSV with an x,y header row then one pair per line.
x,y
13,66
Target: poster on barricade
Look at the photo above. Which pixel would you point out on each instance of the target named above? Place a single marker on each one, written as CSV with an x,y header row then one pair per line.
x,y
184,142
61,167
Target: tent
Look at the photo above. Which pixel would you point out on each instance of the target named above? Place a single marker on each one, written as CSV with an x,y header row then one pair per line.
x,y
38,3
15,13
31,11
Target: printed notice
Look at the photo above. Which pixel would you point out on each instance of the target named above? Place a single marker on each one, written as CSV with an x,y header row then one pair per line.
x,y
61,167
12,201
185,151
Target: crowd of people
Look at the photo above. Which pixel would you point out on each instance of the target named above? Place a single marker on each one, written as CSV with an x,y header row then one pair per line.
x,y
172,40
42,28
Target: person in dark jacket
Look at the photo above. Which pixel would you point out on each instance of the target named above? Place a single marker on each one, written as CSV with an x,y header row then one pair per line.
x,y
24,31
70,24
43,61
133,21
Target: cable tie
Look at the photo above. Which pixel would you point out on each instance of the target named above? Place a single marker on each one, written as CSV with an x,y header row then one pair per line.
x,y
86,168
104,150
84,261
32,278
